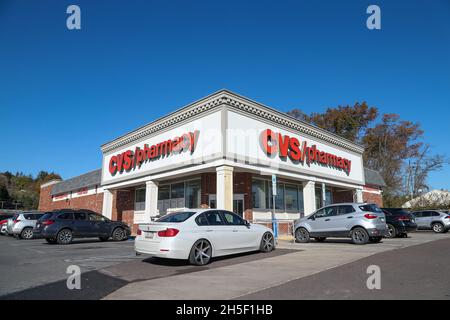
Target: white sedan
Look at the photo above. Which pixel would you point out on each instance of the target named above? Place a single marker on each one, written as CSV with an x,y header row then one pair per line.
x,y
200,234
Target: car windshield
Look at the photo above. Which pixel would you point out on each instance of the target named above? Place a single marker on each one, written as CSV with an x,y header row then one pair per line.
x,y
371,208
176,217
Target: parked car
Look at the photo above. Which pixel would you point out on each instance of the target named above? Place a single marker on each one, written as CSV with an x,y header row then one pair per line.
x,y
62,226
21,224
201,234
435,220
399,222
362,222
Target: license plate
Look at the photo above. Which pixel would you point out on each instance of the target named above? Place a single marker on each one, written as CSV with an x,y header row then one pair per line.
x,y
148,235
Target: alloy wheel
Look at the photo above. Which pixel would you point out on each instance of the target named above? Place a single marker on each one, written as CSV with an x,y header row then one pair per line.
x,y
65,236
302,235
27,234
359,236
390,231
437,227
268,242
202,252
119,234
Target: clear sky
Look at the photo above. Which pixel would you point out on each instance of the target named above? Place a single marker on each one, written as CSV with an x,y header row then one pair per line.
x,y
64,93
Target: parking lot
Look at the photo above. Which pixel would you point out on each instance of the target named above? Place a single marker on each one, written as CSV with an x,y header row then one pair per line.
x,y
34,269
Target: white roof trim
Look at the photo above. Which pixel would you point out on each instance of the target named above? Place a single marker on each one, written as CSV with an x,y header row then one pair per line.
x,y
233,100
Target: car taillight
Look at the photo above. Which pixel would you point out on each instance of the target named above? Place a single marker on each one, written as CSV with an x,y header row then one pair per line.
x,y
139,232
447,217
3,221
403,219
169,232
48,222
370,216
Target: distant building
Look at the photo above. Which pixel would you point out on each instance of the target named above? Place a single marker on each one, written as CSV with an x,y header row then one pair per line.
x,y
435,198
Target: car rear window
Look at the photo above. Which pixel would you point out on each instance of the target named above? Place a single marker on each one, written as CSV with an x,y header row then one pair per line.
x,y
371,208
397,211
46,216
176,217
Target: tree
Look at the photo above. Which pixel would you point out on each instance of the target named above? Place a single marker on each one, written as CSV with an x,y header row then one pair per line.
x,y
417,170
388,145
346,121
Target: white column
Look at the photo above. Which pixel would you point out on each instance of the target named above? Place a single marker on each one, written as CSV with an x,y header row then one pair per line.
x,y
309,197
151,200
224,190
107,203
359,195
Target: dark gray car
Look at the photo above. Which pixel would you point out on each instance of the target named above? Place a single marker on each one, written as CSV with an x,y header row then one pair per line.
x,y
62,226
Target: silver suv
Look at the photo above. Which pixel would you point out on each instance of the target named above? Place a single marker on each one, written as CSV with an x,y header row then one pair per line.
x,y
438,221
21,224
362,222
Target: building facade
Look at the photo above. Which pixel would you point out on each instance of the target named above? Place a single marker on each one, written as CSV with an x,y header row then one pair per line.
x,y
220,152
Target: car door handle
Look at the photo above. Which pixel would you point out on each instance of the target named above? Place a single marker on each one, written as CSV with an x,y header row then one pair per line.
x,y
235,230
349,217
209,230
327,219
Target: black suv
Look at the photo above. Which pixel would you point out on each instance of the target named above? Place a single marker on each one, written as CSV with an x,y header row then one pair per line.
x,y
399,222
62,226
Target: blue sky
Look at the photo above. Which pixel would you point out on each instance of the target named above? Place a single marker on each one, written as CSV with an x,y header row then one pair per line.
x,y
64,93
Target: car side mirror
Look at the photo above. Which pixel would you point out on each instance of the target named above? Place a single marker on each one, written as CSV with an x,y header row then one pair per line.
x,y
312,218
247,224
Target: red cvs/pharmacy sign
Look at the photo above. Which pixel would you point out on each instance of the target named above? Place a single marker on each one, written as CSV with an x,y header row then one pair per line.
x,y
299,152
132,159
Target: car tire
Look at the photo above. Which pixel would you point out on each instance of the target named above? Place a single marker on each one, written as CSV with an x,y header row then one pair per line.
x,y
64,236
267,242
391,231
50,240
103,239
119,234
438,227
201,253
320,239
302,235
359,236
375,239
27,234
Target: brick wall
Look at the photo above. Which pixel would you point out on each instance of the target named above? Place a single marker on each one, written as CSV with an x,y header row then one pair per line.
x,y
92,202
123,207
370,196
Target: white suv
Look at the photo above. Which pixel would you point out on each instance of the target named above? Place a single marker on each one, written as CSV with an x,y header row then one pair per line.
x,y
362,222
21,224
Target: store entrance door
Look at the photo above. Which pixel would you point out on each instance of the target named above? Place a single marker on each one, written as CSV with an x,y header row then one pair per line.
x,y
238,204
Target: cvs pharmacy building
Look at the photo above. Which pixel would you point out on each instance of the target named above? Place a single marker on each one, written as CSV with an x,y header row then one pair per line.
x,y
220,152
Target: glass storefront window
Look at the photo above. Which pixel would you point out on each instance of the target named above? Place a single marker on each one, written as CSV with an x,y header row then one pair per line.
x,y
163,192
139,199
193,194
259,194
328,197
291,198
177,190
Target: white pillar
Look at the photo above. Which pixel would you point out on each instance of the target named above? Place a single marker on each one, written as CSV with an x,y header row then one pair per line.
x,y
151,200
359,195
224,190
309,197
107,203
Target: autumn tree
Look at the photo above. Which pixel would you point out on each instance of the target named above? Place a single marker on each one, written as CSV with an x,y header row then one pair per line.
x,y
347,121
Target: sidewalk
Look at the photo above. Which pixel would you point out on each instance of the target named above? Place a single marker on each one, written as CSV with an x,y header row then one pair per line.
x,y
238,280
